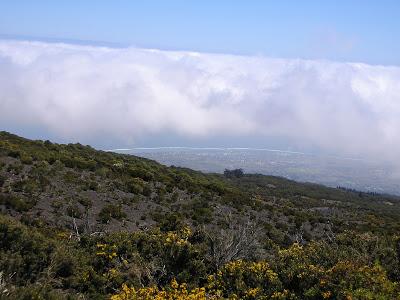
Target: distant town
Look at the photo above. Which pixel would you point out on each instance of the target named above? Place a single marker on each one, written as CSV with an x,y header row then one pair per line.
x,y
328,170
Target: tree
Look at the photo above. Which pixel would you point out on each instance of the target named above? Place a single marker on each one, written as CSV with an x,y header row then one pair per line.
x,y
233,173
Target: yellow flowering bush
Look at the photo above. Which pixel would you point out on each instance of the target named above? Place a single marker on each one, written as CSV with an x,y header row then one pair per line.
x,y
107,251
301,269
244,280
297,269
349,280
174,291
179,238
293,277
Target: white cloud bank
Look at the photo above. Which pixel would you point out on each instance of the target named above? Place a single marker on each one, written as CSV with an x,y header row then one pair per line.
x,y
80,91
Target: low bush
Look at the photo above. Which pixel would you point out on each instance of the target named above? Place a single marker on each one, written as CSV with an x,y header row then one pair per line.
x,y
111,211
18,203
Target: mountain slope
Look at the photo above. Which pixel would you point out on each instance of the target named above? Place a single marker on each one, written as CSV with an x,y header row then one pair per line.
x,y
81,222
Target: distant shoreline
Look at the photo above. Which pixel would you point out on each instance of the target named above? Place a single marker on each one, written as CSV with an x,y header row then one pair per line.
x,y
229,149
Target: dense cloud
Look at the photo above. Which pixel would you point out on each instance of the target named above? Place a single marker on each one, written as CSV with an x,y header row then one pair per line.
x,y
80,91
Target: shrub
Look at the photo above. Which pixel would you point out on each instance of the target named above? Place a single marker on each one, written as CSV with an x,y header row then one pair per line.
x,y
71,177
134,186
141,173
17,203
23,253
200,211
111,211
233,173
57,204
169,222
26,186
245,280
74,211
86,202
2,180
26,159
173,291
92,185
146,190
14,153
15,168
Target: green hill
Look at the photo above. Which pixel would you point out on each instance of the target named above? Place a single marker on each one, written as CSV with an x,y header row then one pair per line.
x,y
81,223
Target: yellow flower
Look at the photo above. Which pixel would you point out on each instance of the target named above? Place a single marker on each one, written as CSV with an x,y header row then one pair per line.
x,y
175,291
326,295
174,284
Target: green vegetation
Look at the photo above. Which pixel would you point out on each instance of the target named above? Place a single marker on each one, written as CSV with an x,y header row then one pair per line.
x,y
111,211
77,223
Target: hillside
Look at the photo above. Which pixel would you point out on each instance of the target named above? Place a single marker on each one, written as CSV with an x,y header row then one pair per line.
x,y
80,223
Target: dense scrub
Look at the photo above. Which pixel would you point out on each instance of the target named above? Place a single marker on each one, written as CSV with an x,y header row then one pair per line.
x,y
37,262
86,224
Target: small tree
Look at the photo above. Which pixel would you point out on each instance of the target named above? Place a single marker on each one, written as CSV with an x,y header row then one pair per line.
x,y
233,173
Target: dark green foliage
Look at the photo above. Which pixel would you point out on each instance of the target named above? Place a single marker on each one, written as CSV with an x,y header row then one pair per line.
x,y
73,210
96,266
25,252
26,186
86,202
200,211
141,173
92,185
18,203
38,291
26,159
15,168
168,222
233,173
134,186
14,153
2,180
146,191
111,211
71,177
65,264
174,197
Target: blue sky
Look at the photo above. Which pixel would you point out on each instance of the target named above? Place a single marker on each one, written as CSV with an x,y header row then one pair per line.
x,y
360,31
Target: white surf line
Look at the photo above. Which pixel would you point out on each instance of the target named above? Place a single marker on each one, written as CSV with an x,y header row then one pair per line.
x,y
230,148
121,149
208,148
212,148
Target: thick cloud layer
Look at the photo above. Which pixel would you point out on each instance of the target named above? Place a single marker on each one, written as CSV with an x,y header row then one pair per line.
x,y
80,91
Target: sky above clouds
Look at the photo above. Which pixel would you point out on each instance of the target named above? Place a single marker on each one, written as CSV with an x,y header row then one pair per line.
x,y
91,94
338,30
